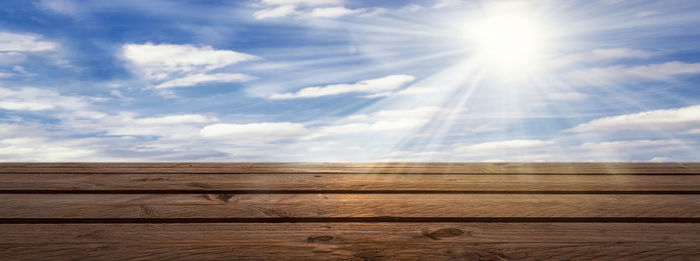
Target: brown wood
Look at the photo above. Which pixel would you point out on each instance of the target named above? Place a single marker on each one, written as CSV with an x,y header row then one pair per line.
x,y
344,205
348,182
350,233
365,251
350,211
355,241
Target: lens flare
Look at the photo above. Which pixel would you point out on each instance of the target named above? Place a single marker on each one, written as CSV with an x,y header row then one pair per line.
x,y
511,40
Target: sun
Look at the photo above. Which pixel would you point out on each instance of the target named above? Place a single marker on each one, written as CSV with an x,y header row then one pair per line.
x,y
510,39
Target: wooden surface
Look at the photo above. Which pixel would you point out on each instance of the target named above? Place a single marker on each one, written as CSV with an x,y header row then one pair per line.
x,y
350,211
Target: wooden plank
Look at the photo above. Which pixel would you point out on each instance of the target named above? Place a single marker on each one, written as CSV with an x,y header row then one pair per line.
x,y
345,205
351,241
454,168
163,194
350,233
371,251
347,182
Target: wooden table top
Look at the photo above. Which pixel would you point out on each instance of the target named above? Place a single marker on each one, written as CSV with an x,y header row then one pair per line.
x,y
350,211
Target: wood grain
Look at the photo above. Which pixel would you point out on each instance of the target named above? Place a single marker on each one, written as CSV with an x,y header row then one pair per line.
x,y
347,182
370,251
344,205
352,241
350,211
350,233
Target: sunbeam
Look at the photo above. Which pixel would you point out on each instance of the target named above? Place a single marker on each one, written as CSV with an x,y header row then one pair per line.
x,y
345,80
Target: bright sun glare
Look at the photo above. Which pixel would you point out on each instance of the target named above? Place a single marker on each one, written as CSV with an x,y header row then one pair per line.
x,y
511,40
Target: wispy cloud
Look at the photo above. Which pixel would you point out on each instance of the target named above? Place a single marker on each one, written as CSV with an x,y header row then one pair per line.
x,y
255,131
372,86
333,12
14,47
447,3
171,65
380,121
633,146
306,9
24,42
605,55
273,12
566,96
357,124
37,99
556,150
507,146
301,2
11,57
65,7
412,90
621,74
195,79
680,120
173,126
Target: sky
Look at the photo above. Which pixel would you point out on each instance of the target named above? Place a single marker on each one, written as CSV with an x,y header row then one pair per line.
x,y
344,80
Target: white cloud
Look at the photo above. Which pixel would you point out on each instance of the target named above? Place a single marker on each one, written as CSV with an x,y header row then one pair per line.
x,y
76,115
611,75
15,46
11,57
263,130
505,150
419,112
602,55
646,13
552,150
681,120
42,149
626,150
505,146
274,12
301,2
23,42
160,61
412,8
173,119
566,96
195,79
35,99
306,9
413,90
378,85
632,146
387,125
66,7
620,53
171,65
447,3
176,126
333,12
385,120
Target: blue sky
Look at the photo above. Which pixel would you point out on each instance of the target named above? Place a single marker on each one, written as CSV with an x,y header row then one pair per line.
x,y
343,80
